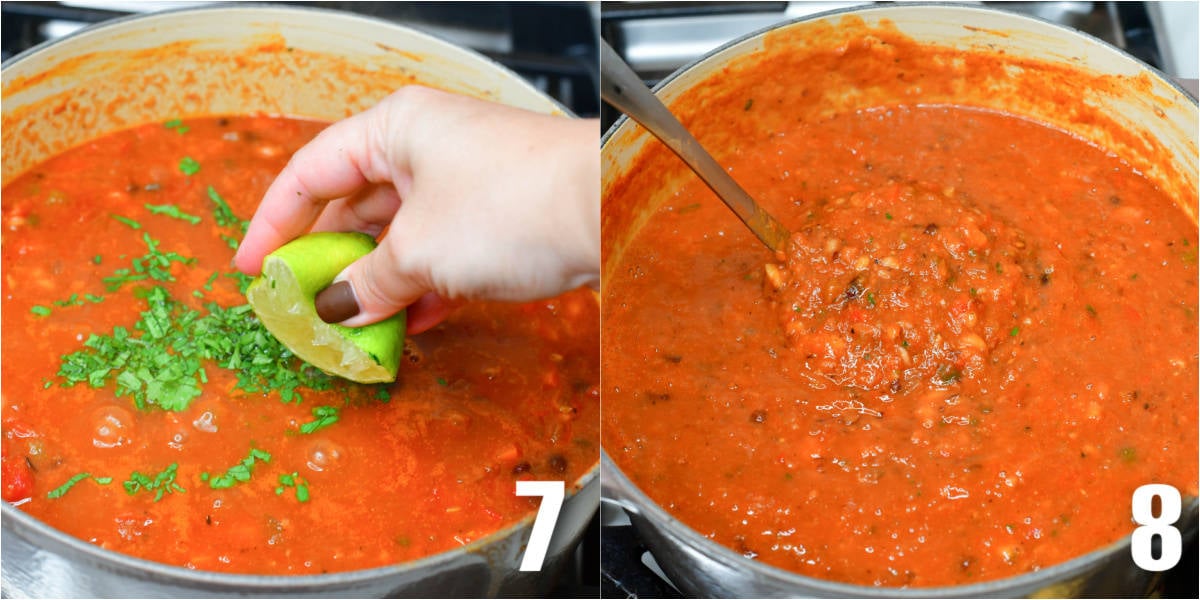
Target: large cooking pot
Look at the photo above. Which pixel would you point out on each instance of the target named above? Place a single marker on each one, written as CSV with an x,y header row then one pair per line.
x,y
1149,121
239,60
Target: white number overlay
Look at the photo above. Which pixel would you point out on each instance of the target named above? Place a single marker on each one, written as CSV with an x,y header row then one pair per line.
x,y
552,493
1161,526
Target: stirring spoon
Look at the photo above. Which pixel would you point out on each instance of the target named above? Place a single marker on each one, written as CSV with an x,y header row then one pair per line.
x,y
622,88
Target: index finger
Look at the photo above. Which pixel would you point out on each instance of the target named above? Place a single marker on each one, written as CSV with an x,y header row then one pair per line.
x,y
338,162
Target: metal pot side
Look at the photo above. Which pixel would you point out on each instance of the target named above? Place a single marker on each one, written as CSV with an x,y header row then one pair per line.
x,y
1149,121
290,61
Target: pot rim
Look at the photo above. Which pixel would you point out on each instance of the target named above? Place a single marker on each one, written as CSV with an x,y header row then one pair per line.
x,y
966,8
617,487
28,527
267,9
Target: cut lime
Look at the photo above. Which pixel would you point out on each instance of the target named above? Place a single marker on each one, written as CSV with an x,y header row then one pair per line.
x,y
282,297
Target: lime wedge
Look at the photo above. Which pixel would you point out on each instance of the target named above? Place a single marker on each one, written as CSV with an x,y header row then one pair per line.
x,y
282,297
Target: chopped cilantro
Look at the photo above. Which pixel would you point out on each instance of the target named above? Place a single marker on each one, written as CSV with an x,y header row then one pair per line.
x,y
189,166
97,259
161,365
172,211
1014,331
295,481
72,301
127,221
59,491
239,473
155,264
177,125
40,310
223,214
161,484
323,416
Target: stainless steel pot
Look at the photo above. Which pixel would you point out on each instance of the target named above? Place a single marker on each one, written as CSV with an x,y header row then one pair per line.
x,y
1150,118
237,60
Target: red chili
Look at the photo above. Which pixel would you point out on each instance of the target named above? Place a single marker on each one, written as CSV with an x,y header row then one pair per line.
x,y
18,478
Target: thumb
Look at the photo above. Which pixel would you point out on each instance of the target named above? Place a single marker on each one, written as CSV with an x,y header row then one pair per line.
x,y
371,289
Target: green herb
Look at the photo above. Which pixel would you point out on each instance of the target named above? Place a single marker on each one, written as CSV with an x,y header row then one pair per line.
x,y
102,480
72,301
127,221
871,299
161,484
40,310
93,298
382,394
161,366
59,491
243,280
999,269
1090,309
120,277
177,125
223,214
96,259
749,103
324,417
189,166
155,265
209,282
148,368
172,211
1014,331
442,381
239,473
887,216
295,481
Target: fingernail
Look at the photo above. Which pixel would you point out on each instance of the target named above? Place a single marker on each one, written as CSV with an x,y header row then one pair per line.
x,y
336,303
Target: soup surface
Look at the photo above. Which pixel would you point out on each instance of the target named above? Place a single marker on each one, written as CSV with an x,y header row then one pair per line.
x,y
980,340
146,411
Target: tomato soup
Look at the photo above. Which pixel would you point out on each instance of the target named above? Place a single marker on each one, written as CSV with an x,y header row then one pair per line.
x,y
981,339
146,411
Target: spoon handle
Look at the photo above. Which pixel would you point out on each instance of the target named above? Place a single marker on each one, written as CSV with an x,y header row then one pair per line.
x,y
622,88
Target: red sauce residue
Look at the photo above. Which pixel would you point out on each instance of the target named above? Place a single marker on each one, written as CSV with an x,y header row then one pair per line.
x,y
500,392
985,400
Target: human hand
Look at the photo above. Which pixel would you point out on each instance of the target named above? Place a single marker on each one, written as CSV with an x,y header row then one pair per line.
x,y
479,201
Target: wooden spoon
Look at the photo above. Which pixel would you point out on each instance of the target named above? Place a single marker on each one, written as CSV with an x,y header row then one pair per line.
x,y
622,88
